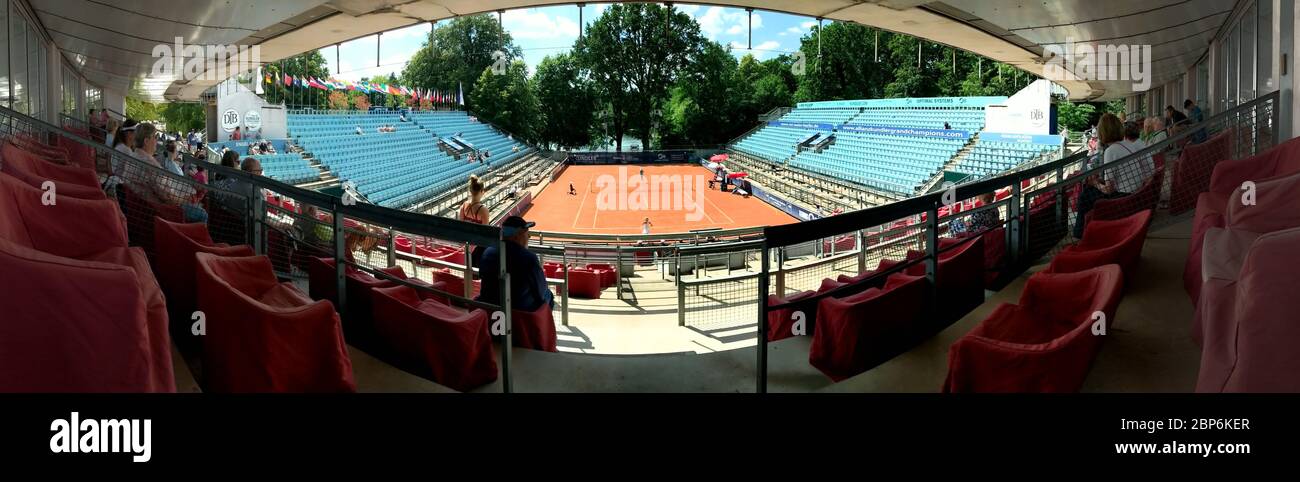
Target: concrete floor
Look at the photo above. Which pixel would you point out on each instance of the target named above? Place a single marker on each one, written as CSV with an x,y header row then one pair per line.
x,y
1149,350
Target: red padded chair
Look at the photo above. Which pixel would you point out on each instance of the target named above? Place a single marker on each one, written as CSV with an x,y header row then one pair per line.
x,y
584,283
959,279
80,155
606,272
140,215
1044,227
455,282
403,244
780,322
175,266
23,160
61,188
1044,344
267,336
1145,198
1106,242
94,231
1225,188
861,331
358,326
71,326
1193,170
1247,311
453,345
533,329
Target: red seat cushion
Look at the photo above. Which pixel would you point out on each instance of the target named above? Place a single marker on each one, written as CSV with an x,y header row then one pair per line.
x,y
781,322
584,283
1193,170
860,331
176,245
534,329
1247,309
1106,242
266,336
453,345
1044,344
24,160
72,326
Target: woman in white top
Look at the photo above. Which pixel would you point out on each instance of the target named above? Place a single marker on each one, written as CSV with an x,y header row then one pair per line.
x,y
645,226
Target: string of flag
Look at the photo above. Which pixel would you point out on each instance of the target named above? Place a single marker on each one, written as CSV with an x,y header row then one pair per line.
x,y
366,87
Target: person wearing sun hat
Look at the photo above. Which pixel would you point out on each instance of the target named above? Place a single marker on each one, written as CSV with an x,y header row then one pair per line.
x,y
528,288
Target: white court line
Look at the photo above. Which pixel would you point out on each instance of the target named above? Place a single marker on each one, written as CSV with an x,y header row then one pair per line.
x,y
584,202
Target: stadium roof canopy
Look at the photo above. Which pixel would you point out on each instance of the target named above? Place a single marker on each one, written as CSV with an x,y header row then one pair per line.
x,y
112,41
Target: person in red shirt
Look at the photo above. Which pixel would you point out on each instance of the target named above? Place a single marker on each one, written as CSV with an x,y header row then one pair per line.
x,y
236,135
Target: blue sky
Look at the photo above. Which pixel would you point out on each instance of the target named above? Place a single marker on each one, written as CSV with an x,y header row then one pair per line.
x,y
551,30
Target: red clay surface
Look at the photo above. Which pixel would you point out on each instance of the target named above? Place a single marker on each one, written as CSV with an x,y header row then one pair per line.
x,y
595,210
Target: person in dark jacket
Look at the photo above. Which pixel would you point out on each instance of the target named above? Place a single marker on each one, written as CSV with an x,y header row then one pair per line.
x,y
528,288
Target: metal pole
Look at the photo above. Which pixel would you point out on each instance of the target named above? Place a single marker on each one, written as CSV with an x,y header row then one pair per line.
x,y
392,248
340,262
876,45
749,12
500,13
819,41
507,343
581,25
618,271
761,376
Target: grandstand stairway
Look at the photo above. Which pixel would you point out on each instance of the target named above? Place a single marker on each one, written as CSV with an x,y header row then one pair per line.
x,y
952,163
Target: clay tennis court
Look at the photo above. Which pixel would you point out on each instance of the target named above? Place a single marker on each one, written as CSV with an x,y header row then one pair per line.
x,y
591,211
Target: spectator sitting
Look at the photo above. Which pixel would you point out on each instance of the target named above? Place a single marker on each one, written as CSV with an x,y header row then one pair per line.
x,y
1154,131
979,222
528,290
359,131
159,187
1194,113
236,135
402,117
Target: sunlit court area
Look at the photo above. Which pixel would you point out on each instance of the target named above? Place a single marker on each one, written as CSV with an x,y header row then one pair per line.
x,y
634,199
489,196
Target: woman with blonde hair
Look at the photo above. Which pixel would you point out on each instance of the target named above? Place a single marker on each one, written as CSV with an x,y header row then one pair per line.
x,y
473,211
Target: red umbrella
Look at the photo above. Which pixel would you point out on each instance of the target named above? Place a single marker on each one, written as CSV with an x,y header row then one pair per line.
x,y
719,158
736,175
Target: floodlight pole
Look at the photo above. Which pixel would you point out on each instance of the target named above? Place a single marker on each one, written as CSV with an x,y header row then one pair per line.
x,y
500,13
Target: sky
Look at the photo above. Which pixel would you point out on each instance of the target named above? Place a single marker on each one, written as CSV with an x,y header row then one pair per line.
x,y
552,30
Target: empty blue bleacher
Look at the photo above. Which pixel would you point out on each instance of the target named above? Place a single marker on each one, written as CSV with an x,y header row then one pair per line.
x,y
895,163
990,158
288,168
405,167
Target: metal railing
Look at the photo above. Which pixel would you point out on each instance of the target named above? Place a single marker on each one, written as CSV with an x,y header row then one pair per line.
x,y
1037,213
1036,221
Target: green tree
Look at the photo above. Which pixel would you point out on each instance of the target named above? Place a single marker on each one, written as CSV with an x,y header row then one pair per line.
x,y
183,116
142,111
1075,117
843,67
566,95
456,54
704,107
634,54
507,100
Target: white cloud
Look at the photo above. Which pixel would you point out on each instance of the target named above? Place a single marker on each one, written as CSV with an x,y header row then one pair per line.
x,y
688,9
807,25
717,20
532,24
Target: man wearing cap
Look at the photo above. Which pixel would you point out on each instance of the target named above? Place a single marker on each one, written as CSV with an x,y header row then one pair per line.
x,y
528,288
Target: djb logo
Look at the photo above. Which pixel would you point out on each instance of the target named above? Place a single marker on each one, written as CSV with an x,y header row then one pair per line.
x,y
229,120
